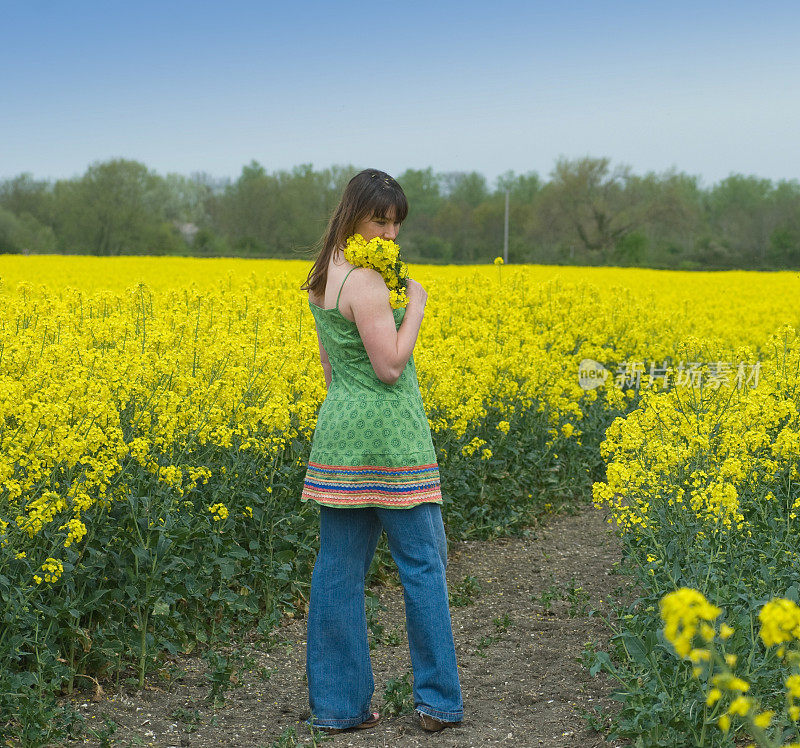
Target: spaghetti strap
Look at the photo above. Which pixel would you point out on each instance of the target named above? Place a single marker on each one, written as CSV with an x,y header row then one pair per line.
x,y
340,288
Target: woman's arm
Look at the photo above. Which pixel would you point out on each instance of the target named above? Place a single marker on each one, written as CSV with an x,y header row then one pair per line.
x,y
388,348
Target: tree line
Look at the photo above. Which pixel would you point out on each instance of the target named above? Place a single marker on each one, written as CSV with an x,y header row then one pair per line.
x,y
585,213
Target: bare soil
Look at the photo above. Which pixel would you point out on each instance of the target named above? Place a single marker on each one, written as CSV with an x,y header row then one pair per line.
x,y
522,678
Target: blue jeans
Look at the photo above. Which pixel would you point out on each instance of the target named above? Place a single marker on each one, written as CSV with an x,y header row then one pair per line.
x,y
340,679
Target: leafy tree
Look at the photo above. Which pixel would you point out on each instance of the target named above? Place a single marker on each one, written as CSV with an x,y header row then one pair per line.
x,y
24,234
117,207
423,191
523,188
671,214
280,213
784,240
737,218
586,202
420,237
242,214
24,194
465,188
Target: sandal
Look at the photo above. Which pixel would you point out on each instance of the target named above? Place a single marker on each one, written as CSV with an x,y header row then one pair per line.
x,y
431,724
371,722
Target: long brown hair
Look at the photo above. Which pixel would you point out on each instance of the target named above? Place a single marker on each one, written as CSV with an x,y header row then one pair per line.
x,y
369,193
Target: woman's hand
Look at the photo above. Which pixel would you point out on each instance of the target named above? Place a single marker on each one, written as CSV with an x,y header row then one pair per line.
x,y
416,294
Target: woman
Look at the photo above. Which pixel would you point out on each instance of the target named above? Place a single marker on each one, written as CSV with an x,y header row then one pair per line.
x,y
373,467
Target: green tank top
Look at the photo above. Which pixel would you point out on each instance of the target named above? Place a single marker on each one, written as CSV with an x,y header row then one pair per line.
x,y
372,444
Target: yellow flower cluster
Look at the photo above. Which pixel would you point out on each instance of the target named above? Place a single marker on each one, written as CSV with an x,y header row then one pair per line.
x,y
702,450
40,511
681,611
780,621
473,446
218,511
75,531
52,569
382,255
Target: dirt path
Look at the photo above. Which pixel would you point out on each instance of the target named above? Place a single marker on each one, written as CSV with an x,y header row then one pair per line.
x,y
519,648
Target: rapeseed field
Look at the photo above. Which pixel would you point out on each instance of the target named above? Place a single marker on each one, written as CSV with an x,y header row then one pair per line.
x,y
157,413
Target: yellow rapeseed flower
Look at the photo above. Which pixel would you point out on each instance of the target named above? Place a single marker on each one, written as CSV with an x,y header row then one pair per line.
x,y
384,256
219,511
52,569
764,719
76,530
681,610
707,632
740,705
780,621
737,684
699,655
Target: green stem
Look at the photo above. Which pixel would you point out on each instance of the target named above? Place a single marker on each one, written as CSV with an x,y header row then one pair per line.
x,y
71,682
143,646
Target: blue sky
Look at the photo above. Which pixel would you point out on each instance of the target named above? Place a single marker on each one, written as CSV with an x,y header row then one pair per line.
x,y
707,88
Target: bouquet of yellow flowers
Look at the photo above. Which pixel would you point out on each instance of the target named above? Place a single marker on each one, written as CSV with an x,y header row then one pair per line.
x,y
382,255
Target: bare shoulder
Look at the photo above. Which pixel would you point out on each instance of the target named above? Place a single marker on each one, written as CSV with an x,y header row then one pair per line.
x,y
365,293
367,278
367,287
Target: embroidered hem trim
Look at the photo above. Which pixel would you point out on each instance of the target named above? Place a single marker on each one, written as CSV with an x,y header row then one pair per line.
x,y
364,485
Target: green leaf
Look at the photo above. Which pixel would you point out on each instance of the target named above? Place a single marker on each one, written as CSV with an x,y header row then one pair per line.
x,y
635,648
602,662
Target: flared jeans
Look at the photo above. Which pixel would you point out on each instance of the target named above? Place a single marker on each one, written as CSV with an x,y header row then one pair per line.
x,y
340,678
